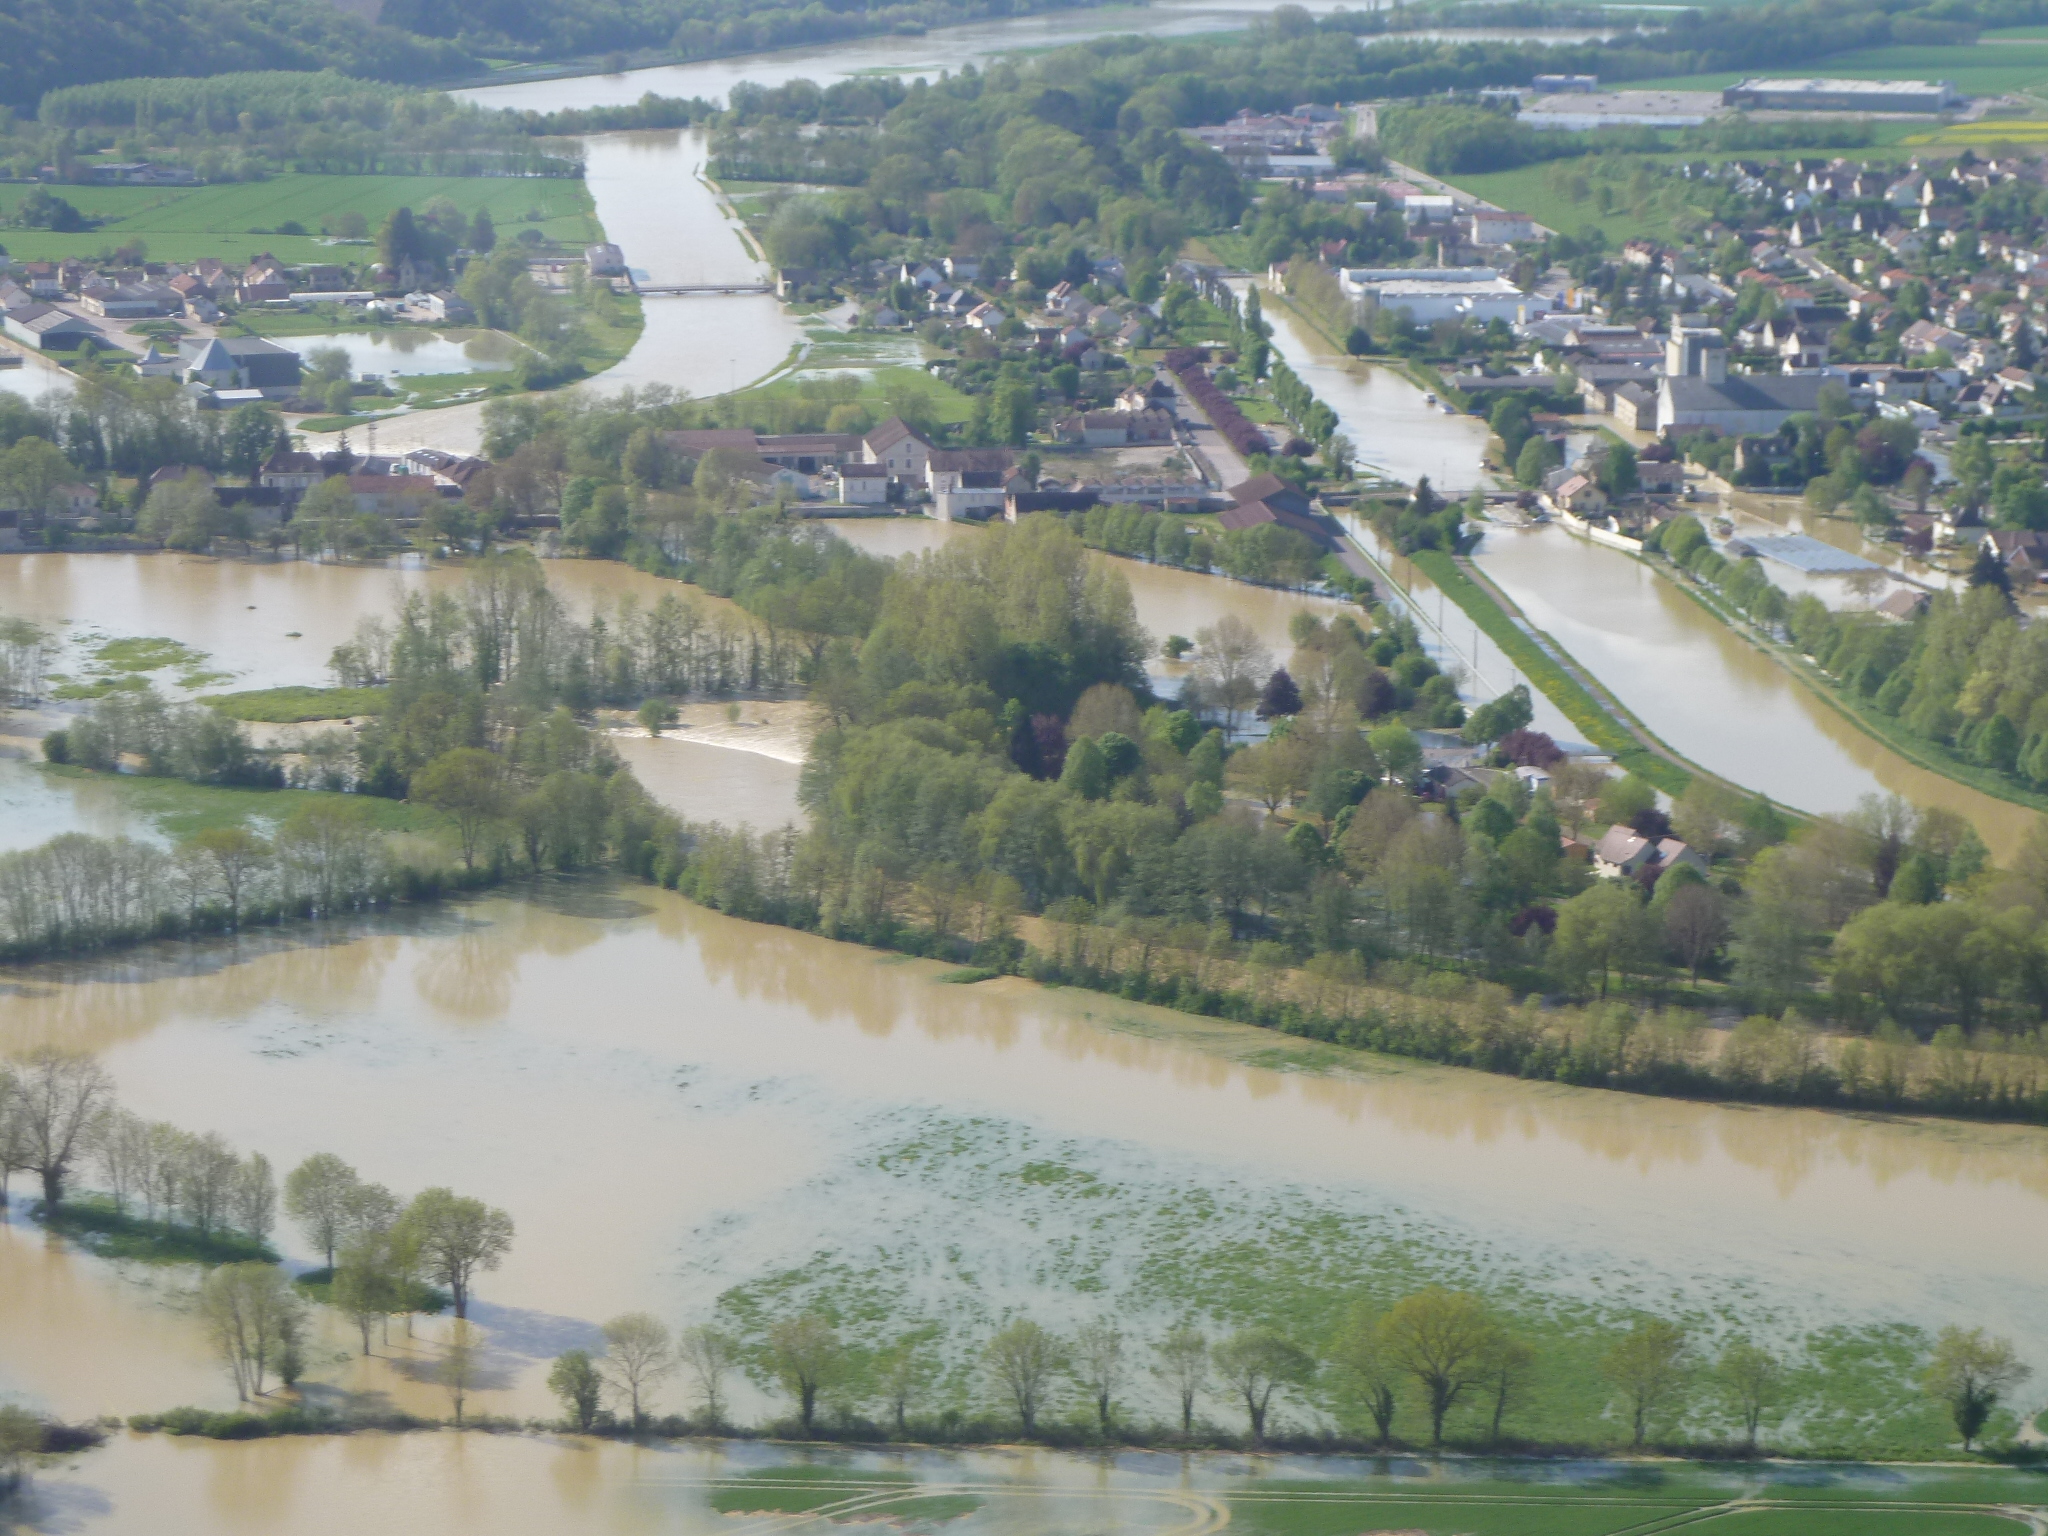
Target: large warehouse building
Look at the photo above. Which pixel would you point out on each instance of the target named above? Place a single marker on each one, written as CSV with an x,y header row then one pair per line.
x,y
1844,95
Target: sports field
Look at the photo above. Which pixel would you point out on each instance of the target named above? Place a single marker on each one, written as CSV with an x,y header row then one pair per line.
x,y
237,220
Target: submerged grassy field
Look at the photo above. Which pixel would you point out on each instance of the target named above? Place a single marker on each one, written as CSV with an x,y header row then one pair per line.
x,y
238,220
986,1217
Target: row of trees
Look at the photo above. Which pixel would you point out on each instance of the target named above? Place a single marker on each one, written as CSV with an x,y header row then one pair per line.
x,y
1436,1352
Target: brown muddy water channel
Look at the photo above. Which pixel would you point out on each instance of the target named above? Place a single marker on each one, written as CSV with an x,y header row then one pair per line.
x,y
671,1102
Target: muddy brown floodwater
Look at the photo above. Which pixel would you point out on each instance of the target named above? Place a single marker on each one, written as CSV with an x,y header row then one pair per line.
x,y
670,1102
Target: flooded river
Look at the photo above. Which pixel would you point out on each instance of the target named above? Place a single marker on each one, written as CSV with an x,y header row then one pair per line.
x,y
678,1108
1707,692
732,1103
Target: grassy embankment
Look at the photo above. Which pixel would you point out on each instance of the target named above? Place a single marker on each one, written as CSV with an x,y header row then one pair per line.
x,y
94,1224
1544,663
296,705
180,809
1873,722
238,220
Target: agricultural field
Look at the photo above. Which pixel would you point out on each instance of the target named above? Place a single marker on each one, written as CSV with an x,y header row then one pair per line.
x,y
237,220
1418,1498
1979,69
1545,191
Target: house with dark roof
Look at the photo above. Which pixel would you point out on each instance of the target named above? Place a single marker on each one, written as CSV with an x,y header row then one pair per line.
x,y
1269,499
898,448
1735,404
46,328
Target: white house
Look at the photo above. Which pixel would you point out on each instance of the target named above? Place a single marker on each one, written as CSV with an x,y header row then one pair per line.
x,y
859,484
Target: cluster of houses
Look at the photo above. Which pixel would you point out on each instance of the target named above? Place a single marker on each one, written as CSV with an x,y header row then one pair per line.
x,y
1081,329
1265,144
400,488
58,307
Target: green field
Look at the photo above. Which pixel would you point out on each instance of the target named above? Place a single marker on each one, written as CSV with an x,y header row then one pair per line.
x,y
1441,1499
187,223
1978,69
180,809
1527,189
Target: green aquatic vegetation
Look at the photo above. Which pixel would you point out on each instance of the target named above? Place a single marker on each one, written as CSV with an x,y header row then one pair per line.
x,y
69,687
203,679
93,1223
990,1220
294,705
146,654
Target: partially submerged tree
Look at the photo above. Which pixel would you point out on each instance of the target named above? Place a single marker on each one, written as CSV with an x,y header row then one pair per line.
x,y
638,1356
317,1195
56,1100
457,1237
252,1318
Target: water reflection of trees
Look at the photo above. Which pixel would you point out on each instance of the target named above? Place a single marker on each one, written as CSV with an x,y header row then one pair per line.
x,y
467,963
831,981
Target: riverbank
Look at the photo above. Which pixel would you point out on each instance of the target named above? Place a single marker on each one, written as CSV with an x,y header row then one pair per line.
x,y
1873,723
620,63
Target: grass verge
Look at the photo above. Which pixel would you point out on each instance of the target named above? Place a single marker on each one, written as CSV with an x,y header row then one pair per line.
x,y
1602,727
293,705
1915,749
181,809
93,1223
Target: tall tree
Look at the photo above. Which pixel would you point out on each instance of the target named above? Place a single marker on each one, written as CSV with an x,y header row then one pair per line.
x,y
1183,1364
638,1356
1648,1367
461,1364
1754,1381
807,1357
708,1357
1097,1364
575,1380
56,1102
1367,1366
1440,1338
251,1313
457,1237
317,1196
1023,1358
1255,1363
468,785
1971,1372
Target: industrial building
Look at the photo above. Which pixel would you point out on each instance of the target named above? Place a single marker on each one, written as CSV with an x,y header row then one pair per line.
x,y
1478,294
1844,96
